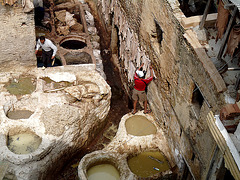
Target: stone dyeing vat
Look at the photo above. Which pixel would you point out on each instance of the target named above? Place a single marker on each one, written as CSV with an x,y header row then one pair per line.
x,y
22,141
140,126
69,102
125,147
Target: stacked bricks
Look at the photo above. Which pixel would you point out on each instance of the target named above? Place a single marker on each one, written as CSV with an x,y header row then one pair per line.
x,y
230,115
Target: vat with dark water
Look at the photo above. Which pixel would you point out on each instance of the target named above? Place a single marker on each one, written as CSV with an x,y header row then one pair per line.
x,y
139,126
147,164
78,58
73,44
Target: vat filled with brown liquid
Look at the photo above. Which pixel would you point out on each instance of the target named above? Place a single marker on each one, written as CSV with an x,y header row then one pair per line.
x,y
147,164
140,126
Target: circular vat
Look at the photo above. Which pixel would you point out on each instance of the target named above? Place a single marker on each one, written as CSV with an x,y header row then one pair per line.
x,y
100,165
139,126
22,141
73,44
148,164
21,86
103,171
22,109
78,58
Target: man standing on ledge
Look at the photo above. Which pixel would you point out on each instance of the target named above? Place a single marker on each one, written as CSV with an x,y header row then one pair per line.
x,y
48,50
139,89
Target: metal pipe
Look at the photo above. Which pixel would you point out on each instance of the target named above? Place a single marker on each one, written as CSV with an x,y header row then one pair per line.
x,y
201,25
237,82
234,69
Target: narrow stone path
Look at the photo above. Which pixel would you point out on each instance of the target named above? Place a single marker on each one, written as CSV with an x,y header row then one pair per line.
x,y
118,108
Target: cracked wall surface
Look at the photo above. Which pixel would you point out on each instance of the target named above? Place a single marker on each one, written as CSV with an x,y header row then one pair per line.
x,y
65,118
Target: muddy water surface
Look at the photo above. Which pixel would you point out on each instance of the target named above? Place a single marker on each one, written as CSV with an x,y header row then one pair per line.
x,y
23,143
21,86
148,163
139,126
19,114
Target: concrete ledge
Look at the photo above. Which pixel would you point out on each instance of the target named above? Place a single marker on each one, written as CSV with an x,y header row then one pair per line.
x,y
207,63
72,68
195,20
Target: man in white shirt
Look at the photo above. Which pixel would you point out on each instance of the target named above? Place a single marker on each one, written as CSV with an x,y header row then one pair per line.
x,y
48,50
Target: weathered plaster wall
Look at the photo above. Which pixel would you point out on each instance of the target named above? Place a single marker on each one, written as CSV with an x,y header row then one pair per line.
x,y
176,66
17,34
67,119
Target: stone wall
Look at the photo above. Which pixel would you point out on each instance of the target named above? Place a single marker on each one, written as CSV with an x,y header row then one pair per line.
x,y
149,31
17,34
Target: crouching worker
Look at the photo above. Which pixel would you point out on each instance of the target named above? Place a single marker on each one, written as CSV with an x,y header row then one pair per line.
x,y
139,93
48,50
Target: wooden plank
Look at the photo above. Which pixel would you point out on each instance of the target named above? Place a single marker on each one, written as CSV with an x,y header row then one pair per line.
x,y
231,164
202,23
82,16
220,141
222,144
196,20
